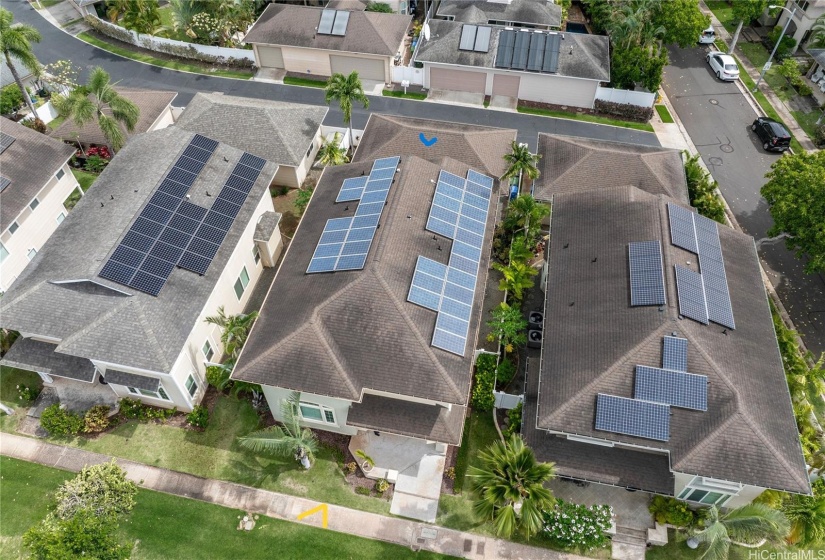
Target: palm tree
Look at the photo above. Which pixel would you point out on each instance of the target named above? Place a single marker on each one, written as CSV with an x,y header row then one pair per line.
x,y
99,100
521,161
817,39
526,214
516,277
331,152
749,525
806,515
289,439
346,90
234,329
16,41
509,487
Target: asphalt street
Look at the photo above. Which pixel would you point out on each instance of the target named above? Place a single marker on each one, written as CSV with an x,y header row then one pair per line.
x,y
57,45
718,118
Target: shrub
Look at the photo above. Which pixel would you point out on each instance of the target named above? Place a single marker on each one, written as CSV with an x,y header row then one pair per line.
x,y
27,394
672,511
96,419
378,7
136,410
819,137
10,99
218,377
199,417
35,124
364,491
95,164
505,372
382,485
482,396
350,467
785,47
703,191
624,110
101,151
60,422
572,525
449,472
302,200
279,190
514,416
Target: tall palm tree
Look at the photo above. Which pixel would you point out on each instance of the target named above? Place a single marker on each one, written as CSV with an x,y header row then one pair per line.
x,y
289,439
521,161
331,152
509,487
99,100
516,277
748,525
806,515
234,329
525,214
16,41
346,90
817,39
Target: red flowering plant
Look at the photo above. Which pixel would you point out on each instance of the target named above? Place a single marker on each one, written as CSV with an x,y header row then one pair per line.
x,y
101,151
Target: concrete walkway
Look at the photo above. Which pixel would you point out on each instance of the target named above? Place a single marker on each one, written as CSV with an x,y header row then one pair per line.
x,y
281,506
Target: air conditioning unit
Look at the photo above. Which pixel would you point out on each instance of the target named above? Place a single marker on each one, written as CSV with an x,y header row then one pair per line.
x,y
533,338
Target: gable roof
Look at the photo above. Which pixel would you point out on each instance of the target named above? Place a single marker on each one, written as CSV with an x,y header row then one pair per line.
x,y
540,12
479,147
60,294
150,103
748,434
6,77
581,56
277,131
571,164
295,26
28,163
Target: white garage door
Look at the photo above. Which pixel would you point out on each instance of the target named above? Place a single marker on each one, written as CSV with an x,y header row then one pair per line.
x,y
270,57
458,80
367,68
505,85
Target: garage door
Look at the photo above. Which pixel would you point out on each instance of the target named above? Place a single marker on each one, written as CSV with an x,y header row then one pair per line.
x,y
505,85
367,68
270,57
458,80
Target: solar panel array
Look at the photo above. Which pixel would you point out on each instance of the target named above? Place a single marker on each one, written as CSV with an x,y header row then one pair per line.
x,y
170,231
674,353
647,283
458,212
333,22
475,38
6,140
345,242
528,50
676,388
632,417
691,292
700,235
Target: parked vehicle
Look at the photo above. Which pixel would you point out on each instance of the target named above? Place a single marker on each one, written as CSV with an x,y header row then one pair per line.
x,y
775,137
708,36
723,65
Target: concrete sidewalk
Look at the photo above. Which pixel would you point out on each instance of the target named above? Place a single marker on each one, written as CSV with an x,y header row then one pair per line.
x,y
281,506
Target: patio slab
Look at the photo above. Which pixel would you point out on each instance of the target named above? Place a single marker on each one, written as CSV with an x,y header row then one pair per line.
x,y
464,98
79,396
414,507
630,508
504,103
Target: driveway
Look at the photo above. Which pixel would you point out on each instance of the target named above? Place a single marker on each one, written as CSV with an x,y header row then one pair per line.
x,y
717,116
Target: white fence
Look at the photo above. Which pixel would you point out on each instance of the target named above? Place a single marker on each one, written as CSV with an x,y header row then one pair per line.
x,y
639,98
206,53
506,400
414,75
46,113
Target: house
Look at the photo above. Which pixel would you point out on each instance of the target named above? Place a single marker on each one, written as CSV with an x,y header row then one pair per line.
x,y
35,183
288,134
350,319
175,228
26,76
532,14
322,42
807,12
531,65
659,370
155,113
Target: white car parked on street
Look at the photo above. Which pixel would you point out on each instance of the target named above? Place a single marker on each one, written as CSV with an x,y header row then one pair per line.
x,y
723,65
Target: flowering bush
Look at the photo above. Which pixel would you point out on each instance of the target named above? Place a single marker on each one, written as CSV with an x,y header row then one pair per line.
x,y
573,525
101,151
27,394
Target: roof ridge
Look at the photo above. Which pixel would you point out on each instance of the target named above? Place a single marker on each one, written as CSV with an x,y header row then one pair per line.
x,y
570,169
368,16
583,46
644,157
324,336
284,141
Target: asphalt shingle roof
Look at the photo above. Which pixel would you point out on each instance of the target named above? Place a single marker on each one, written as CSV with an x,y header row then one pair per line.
x,y
295,26
33,355
274,130
540,12
131,380
426,421
29,163
60,294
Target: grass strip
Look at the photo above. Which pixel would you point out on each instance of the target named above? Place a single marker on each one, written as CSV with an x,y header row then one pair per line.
x,y
646,127
57,121
664,114
410,95
290,81
84,178
171,64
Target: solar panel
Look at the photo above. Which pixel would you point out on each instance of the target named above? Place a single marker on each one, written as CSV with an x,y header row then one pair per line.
x,y
117,272
340,25
674,353
682,231
632,417
254,162
4,182
482,39
6,140
647,284
521,50
325,26
385,163
203,142
691,294
468,37
536,53
676,388
504,53
551,53
352,189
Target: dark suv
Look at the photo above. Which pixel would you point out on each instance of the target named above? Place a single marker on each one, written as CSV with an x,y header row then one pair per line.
x,y
774,136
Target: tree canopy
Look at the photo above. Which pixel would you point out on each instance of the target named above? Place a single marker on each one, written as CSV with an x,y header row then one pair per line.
x,y
795,192
16,41
682,21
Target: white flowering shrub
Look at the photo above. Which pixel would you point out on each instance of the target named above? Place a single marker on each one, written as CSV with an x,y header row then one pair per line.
x,y
576,526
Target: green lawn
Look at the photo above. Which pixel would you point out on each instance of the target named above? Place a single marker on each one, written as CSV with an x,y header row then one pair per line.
x,y
172,64
173,527
664,114
54,123
587,118
408,95
676,549
290,81
758,56
808,121
10,378
84,178
49,3
723,12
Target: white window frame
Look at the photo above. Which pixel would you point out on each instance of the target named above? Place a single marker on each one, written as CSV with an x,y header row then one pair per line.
x,y
34,204
243,284
211,353
60,174
30,255
4,253
160,394
725,489
311,147
13,227
194,384
322,410
60,217
256,253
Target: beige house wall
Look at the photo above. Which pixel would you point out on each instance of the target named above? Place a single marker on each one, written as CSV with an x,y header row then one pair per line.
x,y
745,496
166,118
316,61
276,395
803,20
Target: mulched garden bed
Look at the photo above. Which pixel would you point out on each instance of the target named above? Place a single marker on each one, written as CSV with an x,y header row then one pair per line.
x,y
573,110
339,443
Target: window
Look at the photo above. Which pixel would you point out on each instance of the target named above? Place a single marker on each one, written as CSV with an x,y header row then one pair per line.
x,y
61,217
256,254
709,491
34,203
191,385
13,227
311,147
32,253
241,283
160,394
317,413
3,252
208,351
704,496
60,174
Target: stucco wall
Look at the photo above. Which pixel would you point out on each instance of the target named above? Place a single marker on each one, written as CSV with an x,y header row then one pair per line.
x,y
164,119
306,61
274,396
745,496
